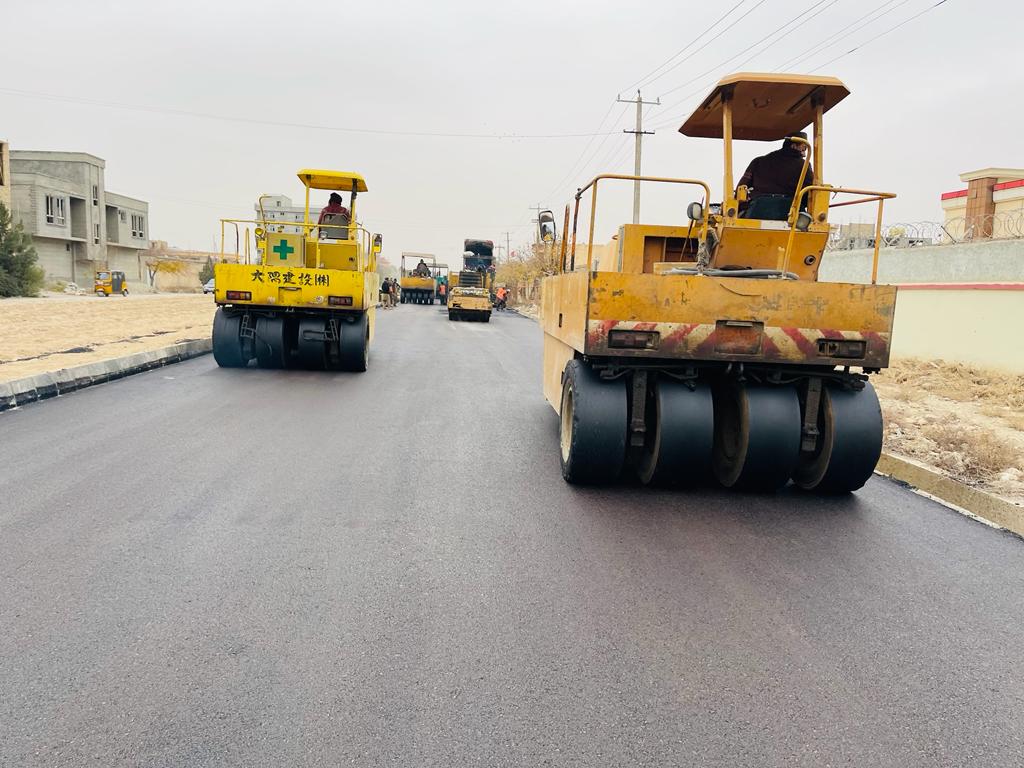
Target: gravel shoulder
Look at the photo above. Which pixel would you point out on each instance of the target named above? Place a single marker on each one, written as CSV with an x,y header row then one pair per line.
x,y
55,332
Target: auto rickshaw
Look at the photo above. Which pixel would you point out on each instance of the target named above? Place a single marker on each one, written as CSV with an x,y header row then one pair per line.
x,y
107,282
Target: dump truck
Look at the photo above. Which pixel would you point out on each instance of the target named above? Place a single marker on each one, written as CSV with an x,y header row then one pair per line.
x,y
469,291
419,284
310,301
708,349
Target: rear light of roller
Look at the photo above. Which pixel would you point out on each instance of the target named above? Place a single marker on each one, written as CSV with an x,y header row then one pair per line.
x,y
634,339
339,301
238,295
853,349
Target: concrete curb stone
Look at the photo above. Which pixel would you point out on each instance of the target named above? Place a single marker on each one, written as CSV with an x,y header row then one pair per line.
x,y
42,386
954,494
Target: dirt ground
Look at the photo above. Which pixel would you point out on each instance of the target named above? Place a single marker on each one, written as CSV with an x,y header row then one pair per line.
x,y
965,422
60,331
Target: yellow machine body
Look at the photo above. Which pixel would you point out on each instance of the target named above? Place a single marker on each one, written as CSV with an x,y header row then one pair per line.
x,y
419,289
307,287
692,318
709,346
469,303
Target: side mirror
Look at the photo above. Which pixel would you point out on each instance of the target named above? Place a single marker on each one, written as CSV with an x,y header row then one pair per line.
x,y
378,243
546,225
260,233
695,211
803,221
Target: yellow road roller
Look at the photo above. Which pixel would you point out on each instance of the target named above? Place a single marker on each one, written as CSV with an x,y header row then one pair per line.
x,y
418,282
310,301
469,294
708,349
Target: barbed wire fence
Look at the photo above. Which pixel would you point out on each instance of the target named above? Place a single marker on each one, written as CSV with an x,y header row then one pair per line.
x,y
1005,225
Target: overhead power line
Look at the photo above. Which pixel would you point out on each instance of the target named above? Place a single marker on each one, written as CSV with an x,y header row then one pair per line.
x,y
853,26
644,81
880,35
777,30
590,160
568,174
284,124
793,25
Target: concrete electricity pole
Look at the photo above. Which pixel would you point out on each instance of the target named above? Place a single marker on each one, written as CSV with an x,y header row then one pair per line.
x,y
639,132
508,250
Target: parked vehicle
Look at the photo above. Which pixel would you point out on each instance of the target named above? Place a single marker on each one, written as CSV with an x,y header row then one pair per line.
x,y
107,283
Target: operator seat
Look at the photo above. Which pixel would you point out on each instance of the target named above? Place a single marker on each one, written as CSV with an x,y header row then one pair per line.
x,y
768,207
334,227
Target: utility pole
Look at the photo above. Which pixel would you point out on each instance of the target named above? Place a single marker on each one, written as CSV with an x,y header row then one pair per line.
x,y
639,133
508,252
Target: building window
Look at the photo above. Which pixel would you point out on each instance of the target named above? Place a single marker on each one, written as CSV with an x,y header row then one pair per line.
x,y
138,225
124,215
95,195
96,233
55,210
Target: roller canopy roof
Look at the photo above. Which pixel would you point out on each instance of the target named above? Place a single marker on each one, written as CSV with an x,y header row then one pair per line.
x,y
339,181
764,107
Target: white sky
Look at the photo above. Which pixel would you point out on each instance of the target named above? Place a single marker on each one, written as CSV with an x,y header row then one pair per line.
x,y
934,98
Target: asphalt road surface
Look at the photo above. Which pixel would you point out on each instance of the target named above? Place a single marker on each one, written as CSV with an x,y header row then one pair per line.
x,y
206,567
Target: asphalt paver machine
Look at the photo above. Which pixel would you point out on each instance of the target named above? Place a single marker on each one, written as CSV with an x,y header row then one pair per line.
x,y
311,300
709,349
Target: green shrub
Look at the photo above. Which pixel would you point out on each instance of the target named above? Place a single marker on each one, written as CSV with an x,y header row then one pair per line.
x,y
19,273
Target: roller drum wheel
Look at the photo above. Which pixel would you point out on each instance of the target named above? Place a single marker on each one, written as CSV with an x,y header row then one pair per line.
x,y
311,343
229,349
486,318
849,442
354,344
757,436
592,426
271,350
680,434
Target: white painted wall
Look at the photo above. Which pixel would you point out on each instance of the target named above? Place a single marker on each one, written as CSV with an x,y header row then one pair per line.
x,y
970,325
1000,261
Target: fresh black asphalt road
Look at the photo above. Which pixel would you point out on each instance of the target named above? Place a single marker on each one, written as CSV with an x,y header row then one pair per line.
x,y
206,567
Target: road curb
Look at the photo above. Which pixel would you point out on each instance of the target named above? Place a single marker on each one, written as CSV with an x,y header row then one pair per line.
x,y
53,383
955,494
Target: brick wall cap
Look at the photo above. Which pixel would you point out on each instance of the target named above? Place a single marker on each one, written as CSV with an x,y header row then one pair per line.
x,y
999,174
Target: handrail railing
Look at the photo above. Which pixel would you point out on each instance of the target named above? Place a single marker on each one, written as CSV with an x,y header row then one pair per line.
x,y
873,196
365,236
593,208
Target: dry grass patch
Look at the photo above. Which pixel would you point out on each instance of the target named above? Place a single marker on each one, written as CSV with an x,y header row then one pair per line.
x,y
965,421
963,383
972,455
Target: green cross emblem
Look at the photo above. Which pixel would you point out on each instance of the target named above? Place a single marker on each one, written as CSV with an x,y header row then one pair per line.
x,y
283,250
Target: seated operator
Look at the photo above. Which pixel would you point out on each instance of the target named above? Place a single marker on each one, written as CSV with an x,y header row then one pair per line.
x,y
422,270
773,178
334,206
